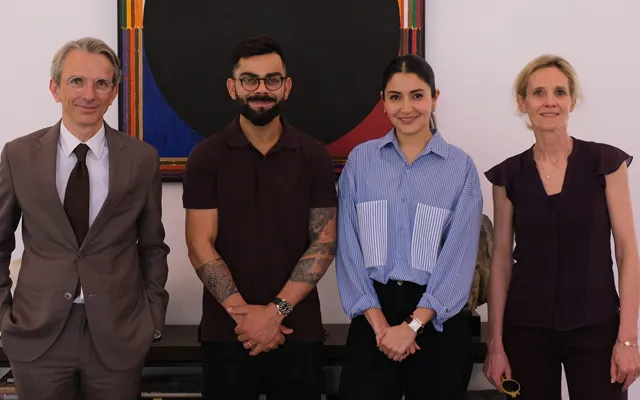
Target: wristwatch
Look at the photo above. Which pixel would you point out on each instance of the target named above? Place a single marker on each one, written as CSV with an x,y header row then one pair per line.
x,y
157,335
283,306
415,324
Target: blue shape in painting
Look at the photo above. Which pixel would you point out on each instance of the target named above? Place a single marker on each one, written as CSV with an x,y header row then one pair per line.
x,y
162,127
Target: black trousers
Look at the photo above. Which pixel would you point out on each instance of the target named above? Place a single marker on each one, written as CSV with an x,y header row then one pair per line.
x,y
292,371
536,356
440,370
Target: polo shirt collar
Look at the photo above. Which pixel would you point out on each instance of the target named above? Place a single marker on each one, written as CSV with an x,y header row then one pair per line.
x,y
237,138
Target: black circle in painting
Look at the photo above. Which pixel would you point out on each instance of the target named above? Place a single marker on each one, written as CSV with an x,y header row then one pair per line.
x,y
336,52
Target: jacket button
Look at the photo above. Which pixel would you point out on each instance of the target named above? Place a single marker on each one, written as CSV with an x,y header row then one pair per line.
x,y
68,296
81,255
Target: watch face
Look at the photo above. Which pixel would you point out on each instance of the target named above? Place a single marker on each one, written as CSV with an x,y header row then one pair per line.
x,y
415,325
284,307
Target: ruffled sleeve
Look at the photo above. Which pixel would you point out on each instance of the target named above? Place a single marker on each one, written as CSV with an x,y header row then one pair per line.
x,y
498,174
610,158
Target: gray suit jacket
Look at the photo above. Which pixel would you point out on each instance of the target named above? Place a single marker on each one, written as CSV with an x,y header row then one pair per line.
x,y
122,263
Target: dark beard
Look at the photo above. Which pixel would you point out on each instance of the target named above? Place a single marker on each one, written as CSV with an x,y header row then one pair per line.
x,y
262,116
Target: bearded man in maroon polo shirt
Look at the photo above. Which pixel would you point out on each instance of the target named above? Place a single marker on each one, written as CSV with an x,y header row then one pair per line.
x,y
260,202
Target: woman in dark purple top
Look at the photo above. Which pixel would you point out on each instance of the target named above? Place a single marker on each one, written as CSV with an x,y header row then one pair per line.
x,y
553,300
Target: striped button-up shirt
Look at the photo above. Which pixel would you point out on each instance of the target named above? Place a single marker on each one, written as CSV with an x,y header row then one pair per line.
x,y
417,222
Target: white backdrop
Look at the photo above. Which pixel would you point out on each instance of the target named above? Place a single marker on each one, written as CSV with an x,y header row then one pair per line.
x,y
475,46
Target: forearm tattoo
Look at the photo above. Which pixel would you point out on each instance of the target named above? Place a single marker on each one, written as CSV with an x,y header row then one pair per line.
x,y
217,279
322,235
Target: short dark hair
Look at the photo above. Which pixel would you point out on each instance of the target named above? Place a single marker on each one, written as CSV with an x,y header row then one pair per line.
x,y
256,46
410,64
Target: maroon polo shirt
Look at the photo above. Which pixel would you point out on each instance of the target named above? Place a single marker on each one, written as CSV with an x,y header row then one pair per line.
x,y
562,277
263,204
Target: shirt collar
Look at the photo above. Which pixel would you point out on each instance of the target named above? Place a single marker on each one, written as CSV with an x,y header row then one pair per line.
x,y
69,142
436,145
237,138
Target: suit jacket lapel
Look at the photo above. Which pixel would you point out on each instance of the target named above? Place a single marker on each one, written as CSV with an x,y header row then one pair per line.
x,y
119,176
43,155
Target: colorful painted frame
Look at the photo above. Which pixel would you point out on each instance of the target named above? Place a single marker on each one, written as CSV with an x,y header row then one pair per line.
x,y
133,89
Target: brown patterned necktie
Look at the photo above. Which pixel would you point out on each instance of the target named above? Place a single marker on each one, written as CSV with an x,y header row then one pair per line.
x,y
76,198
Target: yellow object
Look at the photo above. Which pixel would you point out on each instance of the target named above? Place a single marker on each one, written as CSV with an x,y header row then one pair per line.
x,y
510,387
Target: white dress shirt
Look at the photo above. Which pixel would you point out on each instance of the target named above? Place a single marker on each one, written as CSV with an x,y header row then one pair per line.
x,y
97,164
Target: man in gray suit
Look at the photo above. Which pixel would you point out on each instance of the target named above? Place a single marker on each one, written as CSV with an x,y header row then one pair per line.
x,y
90,297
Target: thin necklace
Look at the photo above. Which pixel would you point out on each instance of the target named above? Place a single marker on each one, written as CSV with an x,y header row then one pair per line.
x,y
548,175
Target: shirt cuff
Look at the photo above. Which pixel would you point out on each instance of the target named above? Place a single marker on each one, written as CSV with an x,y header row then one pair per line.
x,y
429,301
363,304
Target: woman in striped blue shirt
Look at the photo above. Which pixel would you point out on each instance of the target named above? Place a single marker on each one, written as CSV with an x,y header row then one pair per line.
x,y
408,228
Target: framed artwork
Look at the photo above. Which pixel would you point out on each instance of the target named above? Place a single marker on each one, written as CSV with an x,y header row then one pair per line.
x,y
176,57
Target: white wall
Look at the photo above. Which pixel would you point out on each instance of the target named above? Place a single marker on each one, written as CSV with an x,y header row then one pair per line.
x,y
476,48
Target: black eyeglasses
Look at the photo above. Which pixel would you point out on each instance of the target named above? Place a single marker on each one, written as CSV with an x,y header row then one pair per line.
x,y
510,387
251,83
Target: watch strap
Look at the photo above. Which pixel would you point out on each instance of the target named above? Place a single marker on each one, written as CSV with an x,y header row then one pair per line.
x,y
278,302
415,324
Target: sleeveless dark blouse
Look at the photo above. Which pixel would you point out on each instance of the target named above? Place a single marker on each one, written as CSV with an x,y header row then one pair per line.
x,y
562,275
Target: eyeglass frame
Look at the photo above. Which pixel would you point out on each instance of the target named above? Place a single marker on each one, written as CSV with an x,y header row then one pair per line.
x,y
283,77
511,393
79,89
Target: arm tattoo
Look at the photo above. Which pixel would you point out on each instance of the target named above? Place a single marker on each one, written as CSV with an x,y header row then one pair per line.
x,y
316,260
319,218
323,248
303,273
217,279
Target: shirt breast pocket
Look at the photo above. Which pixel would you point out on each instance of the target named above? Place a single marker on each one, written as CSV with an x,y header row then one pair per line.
x,y
426,242
372,229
